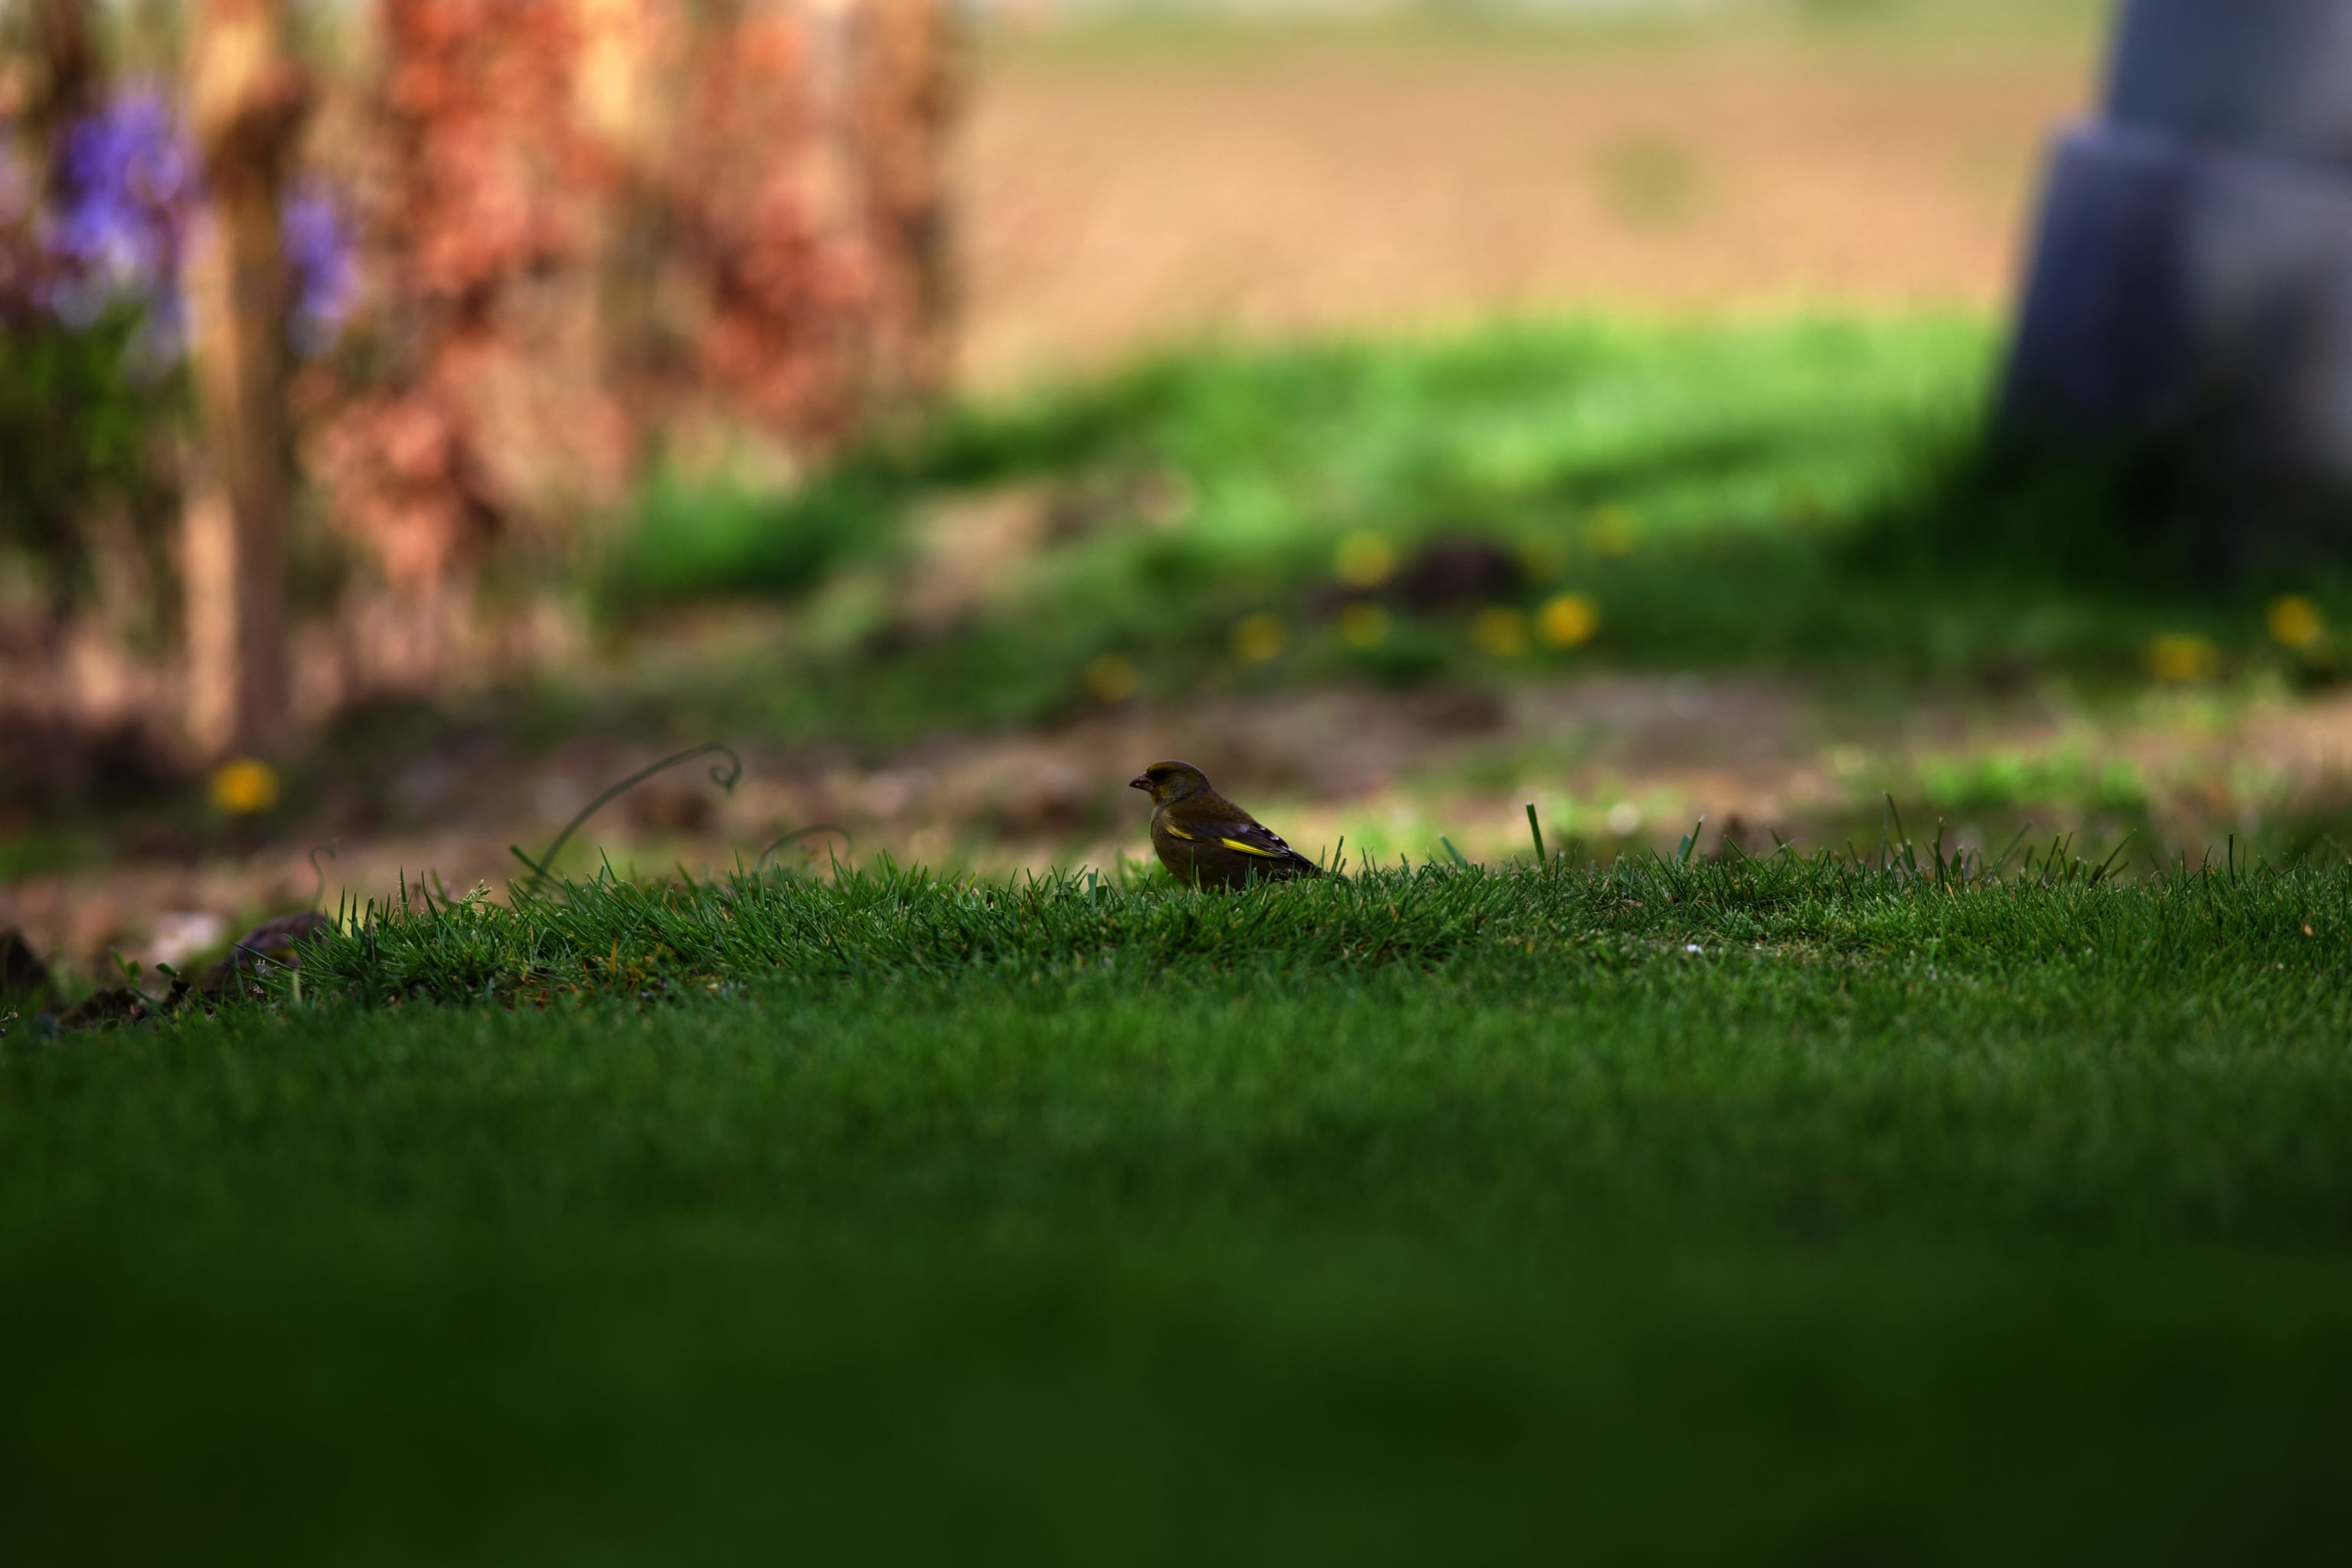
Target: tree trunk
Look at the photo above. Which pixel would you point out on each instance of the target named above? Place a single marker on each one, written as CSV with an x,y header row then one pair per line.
x,y
248,101
910,81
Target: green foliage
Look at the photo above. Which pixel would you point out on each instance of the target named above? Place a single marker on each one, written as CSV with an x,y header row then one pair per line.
x,y
61,847
84,428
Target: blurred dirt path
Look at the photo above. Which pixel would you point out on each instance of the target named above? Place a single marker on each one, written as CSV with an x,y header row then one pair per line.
x,y
1115,197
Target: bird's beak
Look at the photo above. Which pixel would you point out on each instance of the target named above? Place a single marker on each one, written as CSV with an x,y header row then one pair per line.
x,y
1139,782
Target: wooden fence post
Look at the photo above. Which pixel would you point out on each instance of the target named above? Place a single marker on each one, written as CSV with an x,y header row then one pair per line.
x,y
246,100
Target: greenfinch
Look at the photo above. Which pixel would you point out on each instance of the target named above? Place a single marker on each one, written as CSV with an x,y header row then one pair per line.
x,y
1206,840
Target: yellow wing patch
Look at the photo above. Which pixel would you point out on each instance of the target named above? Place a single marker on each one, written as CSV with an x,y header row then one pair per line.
x,y
1174,831
1251,850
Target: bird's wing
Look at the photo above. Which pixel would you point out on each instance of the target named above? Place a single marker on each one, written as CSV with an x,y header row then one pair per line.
x,y
1243,837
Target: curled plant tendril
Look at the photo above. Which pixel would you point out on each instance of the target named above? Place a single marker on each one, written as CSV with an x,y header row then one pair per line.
x,y
319,893
724,774
795,835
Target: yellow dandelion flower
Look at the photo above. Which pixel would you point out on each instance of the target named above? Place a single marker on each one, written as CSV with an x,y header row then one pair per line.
x,y
2178,660
2295,622
1111,677
1570,620
1364,560
243,787
1503,633
1259,637
1363,626
1611,531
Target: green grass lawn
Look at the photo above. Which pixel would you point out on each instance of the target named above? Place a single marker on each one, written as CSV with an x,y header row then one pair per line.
x,y
1808,493
1767,1211
1857,1209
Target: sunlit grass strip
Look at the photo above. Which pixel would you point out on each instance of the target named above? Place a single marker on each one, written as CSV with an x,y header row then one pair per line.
x,y
606,936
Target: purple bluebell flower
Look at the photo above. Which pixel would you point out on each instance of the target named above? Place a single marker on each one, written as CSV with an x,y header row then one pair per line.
x,y
130,189
128,181
318,256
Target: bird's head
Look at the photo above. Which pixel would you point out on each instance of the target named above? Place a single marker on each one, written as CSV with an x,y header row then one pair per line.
x,y
1170,782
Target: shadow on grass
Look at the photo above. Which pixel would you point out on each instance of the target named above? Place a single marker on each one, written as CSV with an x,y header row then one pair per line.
x,y
1810,494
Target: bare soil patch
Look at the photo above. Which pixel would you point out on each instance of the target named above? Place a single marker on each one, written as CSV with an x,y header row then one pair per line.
x,y
1115,198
